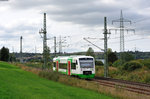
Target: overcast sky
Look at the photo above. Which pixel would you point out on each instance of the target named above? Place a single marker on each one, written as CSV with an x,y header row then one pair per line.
x,y
73,19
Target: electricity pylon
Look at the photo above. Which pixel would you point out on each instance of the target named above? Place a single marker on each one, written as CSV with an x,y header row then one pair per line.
x,y
122,29
45,49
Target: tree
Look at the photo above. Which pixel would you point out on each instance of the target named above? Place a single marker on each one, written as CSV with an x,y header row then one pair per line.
x,y
109,50
90,52
126,56
4,54
112,57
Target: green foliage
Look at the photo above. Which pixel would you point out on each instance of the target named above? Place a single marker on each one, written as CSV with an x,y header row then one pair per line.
x,y
99,63
146,62
126,57
117,63
146,78
109,50
112,57
132,65
12,58
4,54
90,52
18,84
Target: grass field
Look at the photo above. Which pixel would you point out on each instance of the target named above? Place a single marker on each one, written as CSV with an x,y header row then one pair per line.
x,y
18,84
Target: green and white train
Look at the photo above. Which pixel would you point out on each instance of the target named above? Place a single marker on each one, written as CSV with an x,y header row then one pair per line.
x,y
80,66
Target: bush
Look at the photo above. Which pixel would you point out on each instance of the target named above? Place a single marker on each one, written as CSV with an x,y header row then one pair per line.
x,y
99,63
110,63
126,56
50,75
132,65
117,63
146,62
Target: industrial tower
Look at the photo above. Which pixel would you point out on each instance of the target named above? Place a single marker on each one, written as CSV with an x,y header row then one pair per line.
x,y
45,49
21,60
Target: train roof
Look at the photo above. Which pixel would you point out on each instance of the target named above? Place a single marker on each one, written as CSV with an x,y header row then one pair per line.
x,y
72,56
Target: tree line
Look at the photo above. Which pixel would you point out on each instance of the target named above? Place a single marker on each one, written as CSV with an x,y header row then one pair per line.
x,y
5,55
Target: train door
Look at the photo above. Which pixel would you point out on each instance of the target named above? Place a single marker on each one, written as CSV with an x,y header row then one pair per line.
x,y
69,67
57,66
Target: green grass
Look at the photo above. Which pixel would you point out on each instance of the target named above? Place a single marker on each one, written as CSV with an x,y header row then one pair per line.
x,y
18,84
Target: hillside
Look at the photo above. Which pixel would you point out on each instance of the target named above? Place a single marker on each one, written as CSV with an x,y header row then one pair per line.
x,y
18,84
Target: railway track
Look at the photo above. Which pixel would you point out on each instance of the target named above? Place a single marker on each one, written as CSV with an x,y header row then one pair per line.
x,y
141,88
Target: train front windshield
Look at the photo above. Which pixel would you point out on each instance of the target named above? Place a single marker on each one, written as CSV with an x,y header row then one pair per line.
x,y
86,62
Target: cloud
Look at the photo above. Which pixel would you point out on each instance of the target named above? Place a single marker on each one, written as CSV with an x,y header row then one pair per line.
x,y
86,14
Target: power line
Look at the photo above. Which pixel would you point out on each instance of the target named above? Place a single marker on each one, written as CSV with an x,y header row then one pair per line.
x,y
119,37
130,40
93,44
141,20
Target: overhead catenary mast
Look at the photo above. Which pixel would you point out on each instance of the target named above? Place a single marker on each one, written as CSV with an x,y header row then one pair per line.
x,y
60,45
106,69
45,54
55,46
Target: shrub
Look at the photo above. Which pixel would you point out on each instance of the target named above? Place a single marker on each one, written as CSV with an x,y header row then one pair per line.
x,y
147,78
110,63
126,56
132,65
50,75
146,62
117,63
99,63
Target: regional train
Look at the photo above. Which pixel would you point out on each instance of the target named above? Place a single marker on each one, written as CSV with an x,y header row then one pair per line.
x,y
80,66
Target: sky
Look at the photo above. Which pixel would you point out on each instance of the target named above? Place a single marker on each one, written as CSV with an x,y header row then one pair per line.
x,y
73,20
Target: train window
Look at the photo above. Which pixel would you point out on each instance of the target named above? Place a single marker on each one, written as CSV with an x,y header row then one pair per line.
x,y
86,59
86,62
73,65
54,64
62,65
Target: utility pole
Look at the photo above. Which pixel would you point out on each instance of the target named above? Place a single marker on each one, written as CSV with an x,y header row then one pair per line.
x,y
43,31
55,45
106,69
105,47
21,60
122,29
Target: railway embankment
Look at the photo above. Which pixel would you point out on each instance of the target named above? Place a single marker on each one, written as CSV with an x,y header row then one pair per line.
x,y
118,92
